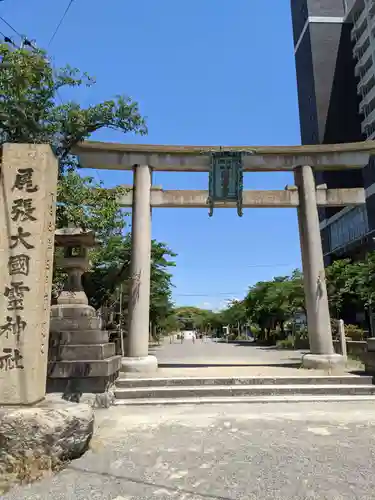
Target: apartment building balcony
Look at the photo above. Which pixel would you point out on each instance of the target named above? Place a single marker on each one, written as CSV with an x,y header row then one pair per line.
x,y
359,16
365,61
365,80
363,53
371,11
365,69
361,40
369,120
359,23
367,98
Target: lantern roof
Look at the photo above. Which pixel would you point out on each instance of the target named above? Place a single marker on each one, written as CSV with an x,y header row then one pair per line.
x,y
74,237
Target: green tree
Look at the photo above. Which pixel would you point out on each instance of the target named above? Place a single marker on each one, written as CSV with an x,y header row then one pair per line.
x,y
235,315
112,268
271,303
363,280
161,305
191,318
343,286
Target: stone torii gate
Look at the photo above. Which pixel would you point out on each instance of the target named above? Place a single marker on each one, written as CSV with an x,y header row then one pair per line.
x,y
305,196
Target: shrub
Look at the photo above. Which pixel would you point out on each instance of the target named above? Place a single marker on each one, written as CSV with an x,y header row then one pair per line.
x,y
302,333
233,336
354,332
298,341
255,330
287,343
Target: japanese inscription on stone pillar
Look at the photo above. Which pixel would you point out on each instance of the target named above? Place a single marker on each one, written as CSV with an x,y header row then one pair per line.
x,y
28,179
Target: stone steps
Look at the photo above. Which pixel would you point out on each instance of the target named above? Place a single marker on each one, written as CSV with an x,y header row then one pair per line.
x,y
244,400
197,381
242,389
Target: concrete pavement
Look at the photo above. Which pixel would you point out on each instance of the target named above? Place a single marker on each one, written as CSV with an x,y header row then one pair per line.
x,y
210,358
211,352
222,451
285,451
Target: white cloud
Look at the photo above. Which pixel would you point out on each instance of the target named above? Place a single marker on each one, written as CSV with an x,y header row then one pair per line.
x,y
205,305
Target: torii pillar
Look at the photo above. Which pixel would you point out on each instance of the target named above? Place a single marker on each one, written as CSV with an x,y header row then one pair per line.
x,y
137,359
322,354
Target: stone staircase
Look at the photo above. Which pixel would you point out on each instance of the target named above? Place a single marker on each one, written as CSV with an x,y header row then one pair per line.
x,y
193,390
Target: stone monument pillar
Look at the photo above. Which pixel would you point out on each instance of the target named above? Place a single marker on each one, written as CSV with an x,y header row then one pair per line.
x,y
28,180
81,359
137,359
322,354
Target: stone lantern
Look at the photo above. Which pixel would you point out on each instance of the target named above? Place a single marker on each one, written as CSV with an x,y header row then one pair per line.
x,y
75,262
81,360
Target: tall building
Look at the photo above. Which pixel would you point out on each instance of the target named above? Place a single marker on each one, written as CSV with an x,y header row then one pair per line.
x,y
334,44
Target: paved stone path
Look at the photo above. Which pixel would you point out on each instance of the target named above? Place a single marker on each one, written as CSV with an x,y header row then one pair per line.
x,y
211,351
210,358
319,451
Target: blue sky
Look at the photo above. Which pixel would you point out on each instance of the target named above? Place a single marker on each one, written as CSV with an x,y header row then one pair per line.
x,y
208,72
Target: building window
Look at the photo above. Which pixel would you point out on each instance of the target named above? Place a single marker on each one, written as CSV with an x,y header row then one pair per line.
x,y
351,226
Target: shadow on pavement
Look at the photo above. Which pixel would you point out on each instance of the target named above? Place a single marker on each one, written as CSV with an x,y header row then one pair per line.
x,y
277,348
362,373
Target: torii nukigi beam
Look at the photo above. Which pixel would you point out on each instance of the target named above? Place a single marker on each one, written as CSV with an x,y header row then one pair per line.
x,y
288,198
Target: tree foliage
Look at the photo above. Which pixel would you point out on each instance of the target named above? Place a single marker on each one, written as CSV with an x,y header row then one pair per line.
x,y
342,285
271,303
191,318
111,268
363,281
350,289
234,313
205,320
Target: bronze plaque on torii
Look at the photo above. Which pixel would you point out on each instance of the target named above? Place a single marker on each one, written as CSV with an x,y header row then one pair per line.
x,y
225,179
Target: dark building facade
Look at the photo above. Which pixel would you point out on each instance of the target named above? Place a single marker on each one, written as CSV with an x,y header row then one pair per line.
x,y
329,44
